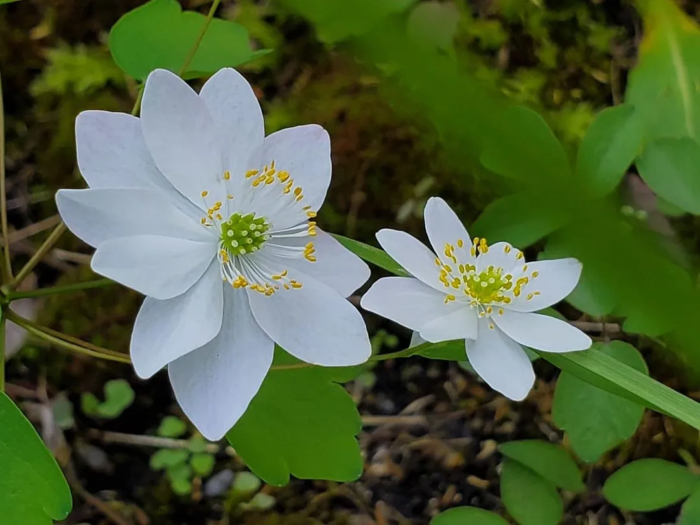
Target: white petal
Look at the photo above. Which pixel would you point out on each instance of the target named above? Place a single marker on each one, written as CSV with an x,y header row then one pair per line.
x,y
460,324
181,136
500,255
501,362
444,227
112,152
416,340
407,301
160,267
555,280
335,265
304,152
238,119
103,214
166,330
313,323
542,332
413,255
215,384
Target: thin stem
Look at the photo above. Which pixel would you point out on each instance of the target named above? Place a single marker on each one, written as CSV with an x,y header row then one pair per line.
x,y
200,37
43,250
408,352
99,283
64,341
137,102
6,265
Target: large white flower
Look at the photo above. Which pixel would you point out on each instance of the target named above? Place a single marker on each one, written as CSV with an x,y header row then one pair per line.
x,y
483,294
194,207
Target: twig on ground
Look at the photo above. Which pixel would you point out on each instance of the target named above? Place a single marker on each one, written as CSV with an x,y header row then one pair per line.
x,y
148,441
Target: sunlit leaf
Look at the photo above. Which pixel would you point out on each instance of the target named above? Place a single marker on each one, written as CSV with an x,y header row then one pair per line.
x,y
434,23
172,427
609,147
529,498
649,484
167,458
546,459
467,516
159,34
671,167
596,420
33,490
373,255
301,423
202,463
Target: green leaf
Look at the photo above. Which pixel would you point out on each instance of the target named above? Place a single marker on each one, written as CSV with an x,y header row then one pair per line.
x,y
181,486
89,403
690,511
649,484
202,463
372,255
33,490
671,167
591,366
167,458
159,34
662,87
197,444
522,219
118,397
434,24
447,351
301,423
611,144
63,412
246,483
529,498
171,427
7,1
541,153
548,460
467,516
260,502
595,420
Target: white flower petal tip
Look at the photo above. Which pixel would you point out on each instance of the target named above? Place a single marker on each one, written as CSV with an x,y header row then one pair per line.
x,y
483,293
192,202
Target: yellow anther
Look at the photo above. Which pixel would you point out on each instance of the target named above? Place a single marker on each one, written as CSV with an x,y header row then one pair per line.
x,y
311,214
500,311
535,274
489,310
227,175
525,268
251,173
203,220
229,196
437,261
530,296
205,193
269,180
295,284
507,248
449,298
519,256
460,243
507,300
283,176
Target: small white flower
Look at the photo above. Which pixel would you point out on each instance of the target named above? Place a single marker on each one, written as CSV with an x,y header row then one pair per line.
x,y
194,207
483,294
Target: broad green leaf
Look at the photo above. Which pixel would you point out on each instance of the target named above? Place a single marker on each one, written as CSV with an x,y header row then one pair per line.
x,y
529,498
301,423
345,20
589,296
671,167
591,366
690,511
202,463
434,23
521,219
8,1
512,157
33,490
167,458
447,351
548,460
159,34
372,255
609,147
172,427
649,484
118,397
596,420
467,516
662,87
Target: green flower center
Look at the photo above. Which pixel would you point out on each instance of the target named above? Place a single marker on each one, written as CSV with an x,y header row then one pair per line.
x,y
487,286
242,234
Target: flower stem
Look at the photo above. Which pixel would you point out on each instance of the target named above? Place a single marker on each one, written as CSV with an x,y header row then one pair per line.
x,y
41,292
408,352
64,341
200,37
137,103
6,265
38,255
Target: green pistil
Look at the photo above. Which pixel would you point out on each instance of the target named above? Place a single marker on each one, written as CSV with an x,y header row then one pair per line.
x,y
487,287
243,234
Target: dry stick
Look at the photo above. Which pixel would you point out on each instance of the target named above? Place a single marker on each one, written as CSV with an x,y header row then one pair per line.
x,y
33,229
145,441
94,501
6,266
